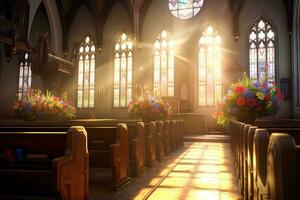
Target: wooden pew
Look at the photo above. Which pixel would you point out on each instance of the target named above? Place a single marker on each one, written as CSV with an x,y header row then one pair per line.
x,y
283,167
136,137
167,137
243,149
260,151
108,148
274,159
173,134
159,137
136,134
62,173
249,162
150,144
179,133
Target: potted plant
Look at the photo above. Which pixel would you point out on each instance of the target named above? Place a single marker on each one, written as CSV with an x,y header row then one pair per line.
x,y
246,100
149,108
38,106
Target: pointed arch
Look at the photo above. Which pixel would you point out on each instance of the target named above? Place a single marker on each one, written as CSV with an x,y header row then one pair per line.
x,y
123,64
86,73
54,22
262,50
164,65
210,68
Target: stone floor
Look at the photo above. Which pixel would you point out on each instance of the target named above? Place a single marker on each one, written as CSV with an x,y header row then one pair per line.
x,y
200,170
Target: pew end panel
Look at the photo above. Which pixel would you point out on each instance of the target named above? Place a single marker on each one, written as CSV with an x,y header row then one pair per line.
x,y
64,175
150,147
251,133
282,167
260,149
137,147
109,148
167,138
159,137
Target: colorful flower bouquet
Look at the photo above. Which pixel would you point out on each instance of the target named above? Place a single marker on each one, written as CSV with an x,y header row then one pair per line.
x,y
35,105
149,108
246,100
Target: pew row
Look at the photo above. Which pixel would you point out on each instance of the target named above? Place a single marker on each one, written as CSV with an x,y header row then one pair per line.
x,y
250,149
108,148
44,164
276,166
136,134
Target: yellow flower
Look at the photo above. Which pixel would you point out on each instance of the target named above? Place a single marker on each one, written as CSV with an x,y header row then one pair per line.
x,y
260,95
269,104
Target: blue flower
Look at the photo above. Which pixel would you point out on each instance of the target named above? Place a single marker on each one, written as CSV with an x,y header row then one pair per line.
x,y
256,84
249,94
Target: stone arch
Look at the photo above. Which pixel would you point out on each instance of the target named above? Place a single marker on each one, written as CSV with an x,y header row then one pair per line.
x,y
54,21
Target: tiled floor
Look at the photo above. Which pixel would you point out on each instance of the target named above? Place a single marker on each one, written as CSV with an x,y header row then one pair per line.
x,y
199,170
205,172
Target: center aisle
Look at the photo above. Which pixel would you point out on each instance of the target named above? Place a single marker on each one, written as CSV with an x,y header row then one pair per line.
x,y
206,171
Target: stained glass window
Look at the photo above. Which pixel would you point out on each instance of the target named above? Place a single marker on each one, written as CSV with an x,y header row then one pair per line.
x,y
25,75
123,71
164,65
86,74
210,68
185,9
262,51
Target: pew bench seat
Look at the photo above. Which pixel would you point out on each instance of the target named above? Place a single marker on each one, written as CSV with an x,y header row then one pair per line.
x,y
61,173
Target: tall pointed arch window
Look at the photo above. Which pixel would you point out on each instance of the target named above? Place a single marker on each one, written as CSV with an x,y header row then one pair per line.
x,y
123,71
86,74
25,75
210,68
262,51
164,65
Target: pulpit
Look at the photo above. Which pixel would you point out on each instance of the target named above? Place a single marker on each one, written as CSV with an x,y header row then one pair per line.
x,y
54,70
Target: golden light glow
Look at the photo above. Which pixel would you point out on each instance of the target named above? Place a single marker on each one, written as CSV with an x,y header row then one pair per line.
x,y
123,66
209,68
164,65
202,173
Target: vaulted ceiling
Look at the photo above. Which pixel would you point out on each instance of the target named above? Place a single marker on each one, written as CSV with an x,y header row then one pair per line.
x,y
100,10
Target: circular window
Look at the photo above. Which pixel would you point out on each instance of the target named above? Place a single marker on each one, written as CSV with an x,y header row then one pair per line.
x,y
185,9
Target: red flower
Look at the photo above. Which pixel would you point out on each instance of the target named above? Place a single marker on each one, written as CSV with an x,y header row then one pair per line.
x,y
251,102
280,96
267,98
241,101
239,89
264,85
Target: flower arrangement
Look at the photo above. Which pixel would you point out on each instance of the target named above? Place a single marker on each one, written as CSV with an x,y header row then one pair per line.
x,y
245,98
36,105
149,108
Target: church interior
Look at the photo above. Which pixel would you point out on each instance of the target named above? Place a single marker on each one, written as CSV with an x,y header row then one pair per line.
x,y
149,99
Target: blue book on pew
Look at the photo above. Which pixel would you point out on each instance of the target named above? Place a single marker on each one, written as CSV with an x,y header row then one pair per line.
x,y
20,155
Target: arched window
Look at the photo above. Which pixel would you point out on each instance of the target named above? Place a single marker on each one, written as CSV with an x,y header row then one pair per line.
x,y
25,75
210,68
123,71
185,9
262,51
164,65
86,74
